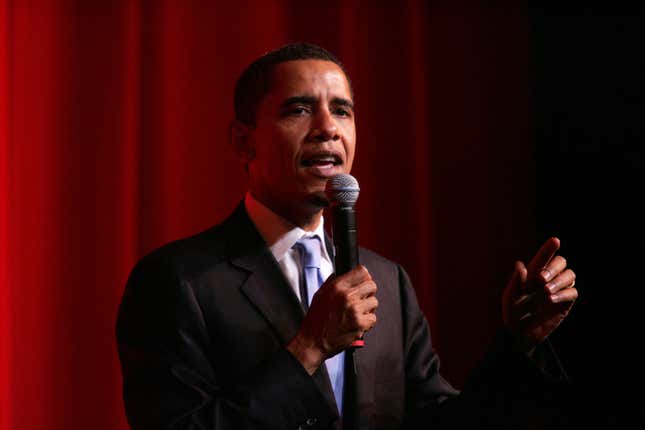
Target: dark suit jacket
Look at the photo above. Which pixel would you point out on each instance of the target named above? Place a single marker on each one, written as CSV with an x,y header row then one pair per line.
x,y
201,334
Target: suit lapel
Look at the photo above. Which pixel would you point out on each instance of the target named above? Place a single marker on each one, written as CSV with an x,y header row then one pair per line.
x,y
267,288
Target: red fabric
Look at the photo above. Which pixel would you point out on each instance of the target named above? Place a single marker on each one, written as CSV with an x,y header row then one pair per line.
x,y
113,131
5,306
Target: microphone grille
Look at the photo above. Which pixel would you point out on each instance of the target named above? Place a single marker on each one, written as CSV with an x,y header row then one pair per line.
x,y
342,189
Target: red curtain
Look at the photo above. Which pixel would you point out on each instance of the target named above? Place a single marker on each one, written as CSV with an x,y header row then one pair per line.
x,y
113,129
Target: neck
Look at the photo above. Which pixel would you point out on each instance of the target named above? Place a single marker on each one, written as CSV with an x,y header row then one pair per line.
x,y
307,217
309,223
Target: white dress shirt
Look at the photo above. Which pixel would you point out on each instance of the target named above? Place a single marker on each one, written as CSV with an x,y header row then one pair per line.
x,y
280,236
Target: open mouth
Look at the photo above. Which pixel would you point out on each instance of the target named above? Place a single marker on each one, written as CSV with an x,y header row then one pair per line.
x,y
322,160
322,164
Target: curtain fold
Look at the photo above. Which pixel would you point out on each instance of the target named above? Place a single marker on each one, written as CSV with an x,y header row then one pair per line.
x,y
5,137
113,140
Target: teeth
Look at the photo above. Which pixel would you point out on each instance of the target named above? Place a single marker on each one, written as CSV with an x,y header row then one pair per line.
x,y
320,160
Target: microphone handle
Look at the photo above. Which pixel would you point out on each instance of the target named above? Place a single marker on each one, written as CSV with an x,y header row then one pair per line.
x,y
346,245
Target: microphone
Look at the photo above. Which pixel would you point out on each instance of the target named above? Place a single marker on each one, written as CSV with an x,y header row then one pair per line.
x,y
342,192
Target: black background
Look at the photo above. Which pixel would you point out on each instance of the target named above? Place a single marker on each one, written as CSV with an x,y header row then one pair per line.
x,y
589,66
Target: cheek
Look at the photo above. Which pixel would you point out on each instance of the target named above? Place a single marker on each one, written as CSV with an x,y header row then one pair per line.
x,y
350,147
275,149
350,163
287,144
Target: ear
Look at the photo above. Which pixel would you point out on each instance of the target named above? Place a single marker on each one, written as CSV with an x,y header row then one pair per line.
x,y
241,141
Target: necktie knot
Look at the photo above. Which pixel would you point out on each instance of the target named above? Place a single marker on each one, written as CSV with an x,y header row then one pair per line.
x,y
310,249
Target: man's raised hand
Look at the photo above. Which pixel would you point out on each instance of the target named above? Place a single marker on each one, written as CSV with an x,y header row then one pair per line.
x,y
539,296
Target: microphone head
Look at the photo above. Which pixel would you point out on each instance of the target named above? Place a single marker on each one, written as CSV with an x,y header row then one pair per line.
x,y
342,190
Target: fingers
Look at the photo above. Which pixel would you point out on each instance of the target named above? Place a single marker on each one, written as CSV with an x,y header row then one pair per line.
x,y
544,255
354,277
553,268
364,289
356,284
361,304
558,287
563,280
561,289
563,296
366,306
557,279
360,300
352,295
362,315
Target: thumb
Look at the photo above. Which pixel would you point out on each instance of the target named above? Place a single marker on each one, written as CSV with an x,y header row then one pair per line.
x,y
518,279
522,272
513,290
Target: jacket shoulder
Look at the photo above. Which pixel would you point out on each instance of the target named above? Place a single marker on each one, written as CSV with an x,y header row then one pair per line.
x,y
206,246
205,249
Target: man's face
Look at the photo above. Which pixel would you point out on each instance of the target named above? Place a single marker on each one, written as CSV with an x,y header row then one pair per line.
x,y
304,134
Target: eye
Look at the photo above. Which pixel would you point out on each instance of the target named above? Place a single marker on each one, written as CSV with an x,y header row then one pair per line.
x,y
342,109
298,110
343,112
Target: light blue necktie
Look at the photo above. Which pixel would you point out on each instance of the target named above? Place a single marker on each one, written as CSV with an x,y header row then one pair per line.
x,y
310,248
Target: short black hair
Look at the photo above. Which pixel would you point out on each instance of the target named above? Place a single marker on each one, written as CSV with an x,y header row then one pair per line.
x,y
255,81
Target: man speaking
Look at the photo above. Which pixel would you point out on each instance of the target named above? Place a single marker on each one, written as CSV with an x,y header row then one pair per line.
x,y
245,325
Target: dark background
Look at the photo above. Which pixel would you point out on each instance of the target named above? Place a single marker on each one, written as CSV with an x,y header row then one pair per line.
x,y
589,72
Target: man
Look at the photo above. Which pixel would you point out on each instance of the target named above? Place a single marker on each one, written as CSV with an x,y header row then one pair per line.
x,y
218,331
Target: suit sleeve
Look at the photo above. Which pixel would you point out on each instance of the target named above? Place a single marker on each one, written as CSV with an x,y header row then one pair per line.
x,y
505,390
168,378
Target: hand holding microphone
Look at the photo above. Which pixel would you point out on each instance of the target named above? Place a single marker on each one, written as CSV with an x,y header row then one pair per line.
x,y
342,193
343,308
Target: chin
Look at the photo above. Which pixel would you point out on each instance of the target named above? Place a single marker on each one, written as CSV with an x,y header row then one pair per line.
x,y
318,199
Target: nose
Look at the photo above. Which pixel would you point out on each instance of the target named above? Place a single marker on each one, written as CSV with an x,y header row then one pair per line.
x,y
323,127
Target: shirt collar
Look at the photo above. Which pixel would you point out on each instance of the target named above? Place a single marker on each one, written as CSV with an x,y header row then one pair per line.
x,y
279,234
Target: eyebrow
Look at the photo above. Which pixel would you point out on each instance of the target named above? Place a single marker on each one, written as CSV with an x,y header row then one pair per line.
x,y
339,101
309,100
